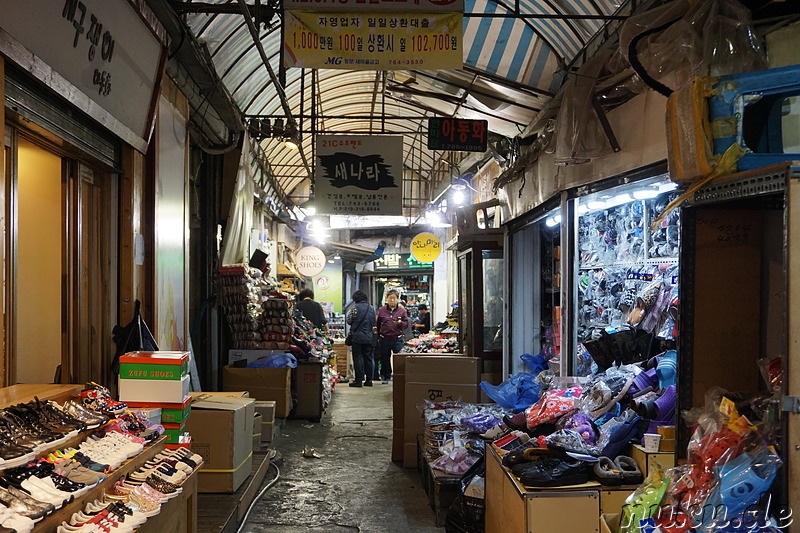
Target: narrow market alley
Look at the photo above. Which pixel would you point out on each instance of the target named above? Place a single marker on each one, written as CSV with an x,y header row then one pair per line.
x,y
353,486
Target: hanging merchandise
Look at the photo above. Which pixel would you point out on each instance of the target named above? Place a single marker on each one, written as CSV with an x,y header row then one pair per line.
x,y
627,275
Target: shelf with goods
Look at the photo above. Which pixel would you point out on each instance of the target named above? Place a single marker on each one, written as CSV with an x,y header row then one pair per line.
x,y
183,507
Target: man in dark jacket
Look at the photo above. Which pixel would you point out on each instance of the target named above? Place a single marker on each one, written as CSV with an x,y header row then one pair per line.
x,y
361,318
311,310
392,321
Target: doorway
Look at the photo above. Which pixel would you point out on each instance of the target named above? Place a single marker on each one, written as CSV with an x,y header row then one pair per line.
x,y
38,333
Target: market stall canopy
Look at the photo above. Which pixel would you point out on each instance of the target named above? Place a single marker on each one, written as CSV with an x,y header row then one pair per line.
x,y
514,53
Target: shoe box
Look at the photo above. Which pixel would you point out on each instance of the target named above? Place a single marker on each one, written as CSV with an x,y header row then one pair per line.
x,y
170,413
263,384
436,378
174,432
609,523
154,377
222,433
257,431
152,414
267,412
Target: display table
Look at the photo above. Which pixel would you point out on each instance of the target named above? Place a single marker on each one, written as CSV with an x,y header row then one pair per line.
x,y
513,508
25,392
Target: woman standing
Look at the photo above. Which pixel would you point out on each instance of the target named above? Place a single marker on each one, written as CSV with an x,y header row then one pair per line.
x,y
361,317
392,321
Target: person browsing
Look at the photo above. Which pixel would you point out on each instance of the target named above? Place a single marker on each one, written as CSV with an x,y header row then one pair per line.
x,y
391,322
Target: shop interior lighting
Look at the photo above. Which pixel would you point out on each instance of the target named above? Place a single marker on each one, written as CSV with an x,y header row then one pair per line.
x,y
646,194
291,138
434,219
331,261
553,221
317,231
337,256
459,197
595,204
668,186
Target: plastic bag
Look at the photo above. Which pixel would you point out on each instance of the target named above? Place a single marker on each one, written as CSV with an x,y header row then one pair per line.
x,y
645,500
278,360
518,391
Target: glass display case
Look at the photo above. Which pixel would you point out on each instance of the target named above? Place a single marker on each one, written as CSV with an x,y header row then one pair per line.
x,y
480,280
626,272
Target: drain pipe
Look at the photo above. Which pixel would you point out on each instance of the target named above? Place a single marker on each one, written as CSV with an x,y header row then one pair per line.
x,y
278,87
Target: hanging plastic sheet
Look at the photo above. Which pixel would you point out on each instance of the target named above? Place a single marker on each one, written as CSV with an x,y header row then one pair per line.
x,y
235,243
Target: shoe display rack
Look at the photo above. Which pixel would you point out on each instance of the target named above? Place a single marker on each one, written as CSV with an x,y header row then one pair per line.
x,y
514,508
177,515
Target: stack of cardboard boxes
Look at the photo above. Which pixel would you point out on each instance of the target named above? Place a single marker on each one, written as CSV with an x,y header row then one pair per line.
x,y
436,378
159,381
222,433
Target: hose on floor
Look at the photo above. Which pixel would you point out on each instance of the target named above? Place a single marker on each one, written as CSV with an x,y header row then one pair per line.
x,y
260,495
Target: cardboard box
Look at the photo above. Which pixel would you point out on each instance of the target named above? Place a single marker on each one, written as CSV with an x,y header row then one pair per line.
x,y
308,387
222,433
152,414
267,412
196,396
154,365
171,413
609,523
249,356
645,460
174,432
398,390
437,378
397,445
442,369
409,454
257,431
154,390
263,384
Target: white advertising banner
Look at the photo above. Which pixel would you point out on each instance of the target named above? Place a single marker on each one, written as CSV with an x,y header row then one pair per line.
x,y
359,175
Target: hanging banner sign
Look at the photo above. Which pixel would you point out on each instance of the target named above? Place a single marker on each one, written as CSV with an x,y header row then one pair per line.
x,y
399,262
363,6
311,261
460,134
380,41
426,247
359,175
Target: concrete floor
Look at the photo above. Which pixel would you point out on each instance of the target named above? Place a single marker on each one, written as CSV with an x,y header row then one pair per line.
x,y
354,486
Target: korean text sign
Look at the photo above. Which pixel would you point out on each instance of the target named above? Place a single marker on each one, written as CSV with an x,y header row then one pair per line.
x,y
359,175
457,134
377,41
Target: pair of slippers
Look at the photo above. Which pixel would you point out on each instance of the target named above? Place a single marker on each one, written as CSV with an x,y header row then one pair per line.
x,y
620,471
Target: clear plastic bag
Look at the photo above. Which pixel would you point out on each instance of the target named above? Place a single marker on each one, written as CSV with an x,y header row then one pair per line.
x,y
645,501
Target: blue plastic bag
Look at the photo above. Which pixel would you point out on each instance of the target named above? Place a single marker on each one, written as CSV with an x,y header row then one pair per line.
x,y
278,360
519,391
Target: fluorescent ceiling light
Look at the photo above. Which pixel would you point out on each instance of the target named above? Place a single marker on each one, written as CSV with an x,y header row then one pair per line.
x,y
666,187
594,204
645,194
368,221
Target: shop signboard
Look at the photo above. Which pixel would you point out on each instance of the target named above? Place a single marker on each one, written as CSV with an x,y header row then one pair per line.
x,y
310,261
104,56
426,247
373,41
465,135
328,287
424,6
399,262
359,175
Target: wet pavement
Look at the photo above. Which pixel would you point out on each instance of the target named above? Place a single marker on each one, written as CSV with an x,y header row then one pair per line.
x,y
354,486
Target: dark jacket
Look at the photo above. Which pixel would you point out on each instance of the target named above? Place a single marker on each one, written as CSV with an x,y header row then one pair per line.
x,y
361,318
388,327
313,311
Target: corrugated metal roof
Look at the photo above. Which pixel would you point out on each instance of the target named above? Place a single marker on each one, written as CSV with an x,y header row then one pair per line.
x,y
514,55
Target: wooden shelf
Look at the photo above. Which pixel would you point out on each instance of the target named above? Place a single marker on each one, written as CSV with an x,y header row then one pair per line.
x,y
51,523
25,392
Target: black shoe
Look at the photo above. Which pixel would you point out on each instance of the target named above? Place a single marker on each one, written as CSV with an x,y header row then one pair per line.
x,y
355,384
368,384
555,472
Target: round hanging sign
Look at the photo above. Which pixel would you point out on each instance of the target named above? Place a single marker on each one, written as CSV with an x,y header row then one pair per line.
x,y
310,261
426,247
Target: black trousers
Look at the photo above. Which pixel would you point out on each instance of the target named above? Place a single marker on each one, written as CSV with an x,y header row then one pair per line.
x,y
362,361
385,348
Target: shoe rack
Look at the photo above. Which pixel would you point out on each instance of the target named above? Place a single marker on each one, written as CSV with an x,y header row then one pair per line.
x,y
51,522
178,514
